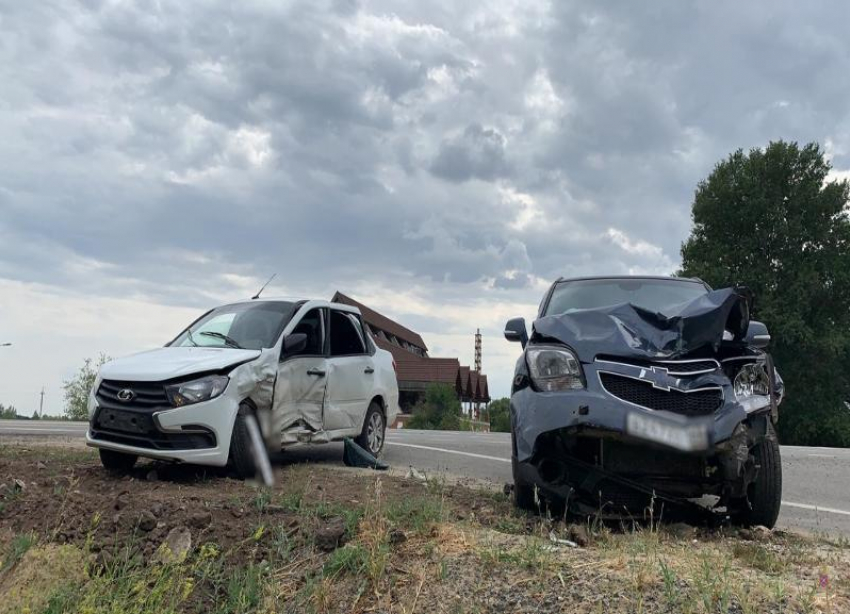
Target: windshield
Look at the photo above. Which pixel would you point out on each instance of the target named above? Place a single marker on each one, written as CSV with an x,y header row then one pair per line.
x,y
251,326
651,294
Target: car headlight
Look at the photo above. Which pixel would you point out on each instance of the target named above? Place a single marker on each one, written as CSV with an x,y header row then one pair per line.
x,y
554,368
197,390
750,381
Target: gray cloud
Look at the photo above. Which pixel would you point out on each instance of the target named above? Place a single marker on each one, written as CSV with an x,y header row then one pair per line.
x,y
464,152
477,153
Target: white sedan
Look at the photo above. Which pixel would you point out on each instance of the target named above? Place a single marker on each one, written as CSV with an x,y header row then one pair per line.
x,y
306,370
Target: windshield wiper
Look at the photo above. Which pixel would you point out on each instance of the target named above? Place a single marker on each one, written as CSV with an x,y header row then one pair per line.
x,y
227,340
189,337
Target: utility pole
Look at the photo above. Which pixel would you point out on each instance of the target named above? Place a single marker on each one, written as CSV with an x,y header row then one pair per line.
x,y
41,404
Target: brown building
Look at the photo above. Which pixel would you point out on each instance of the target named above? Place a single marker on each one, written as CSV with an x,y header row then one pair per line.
x,y
414,368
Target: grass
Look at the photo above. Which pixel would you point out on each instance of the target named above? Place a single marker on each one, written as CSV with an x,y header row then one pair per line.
x,y
351,558
19,546
417,514
533,553
758,557
492,558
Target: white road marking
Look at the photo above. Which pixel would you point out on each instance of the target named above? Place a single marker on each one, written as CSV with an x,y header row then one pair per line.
x,y
31,430
470,454
816,508
804,506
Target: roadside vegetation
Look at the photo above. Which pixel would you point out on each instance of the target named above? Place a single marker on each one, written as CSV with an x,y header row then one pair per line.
x,y
499,412
78,388
439,409
330,539
774,220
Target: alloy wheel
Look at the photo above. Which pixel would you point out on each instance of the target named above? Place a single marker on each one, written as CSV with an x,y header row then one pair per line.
x,y
375,433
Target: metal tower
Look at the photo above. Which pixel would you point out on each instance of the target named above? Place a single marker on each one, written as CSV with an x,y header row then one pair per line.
x,y
478,350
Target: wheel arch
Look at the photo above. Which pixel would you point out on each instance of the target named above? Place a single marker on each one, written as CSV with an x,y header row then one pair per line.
x,y
379,399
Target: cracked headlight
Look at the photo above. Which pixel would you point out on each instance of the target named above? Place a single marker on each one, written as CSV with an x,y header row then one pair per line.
x,y
196,391
751,381
554,368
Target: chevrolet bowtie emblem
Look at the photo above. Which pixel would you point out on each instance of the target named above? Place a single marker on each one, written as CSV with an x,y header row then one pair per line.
x,y
657,376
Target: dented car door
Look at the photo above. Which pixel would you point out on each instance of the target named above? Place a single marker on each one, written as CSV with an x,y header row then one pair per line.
x,y
302,378
350,377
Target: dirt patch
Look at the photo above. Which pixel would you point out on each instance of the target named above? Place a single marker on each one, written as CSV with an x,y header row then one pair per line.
x,y
332,539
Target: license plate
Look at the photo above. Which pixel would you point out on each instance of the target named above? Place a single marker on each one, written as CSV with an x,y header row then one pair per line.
x,y
127,422
686,437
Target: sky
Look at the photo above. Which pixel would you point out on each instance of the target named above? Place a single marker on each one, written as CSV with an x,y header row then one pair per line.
x,y
442,162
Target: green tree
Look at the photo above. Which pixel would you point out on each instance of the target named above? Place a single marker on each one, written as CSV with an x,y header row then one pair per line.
x,y
78,388
439,410
770,220
500,415
8,413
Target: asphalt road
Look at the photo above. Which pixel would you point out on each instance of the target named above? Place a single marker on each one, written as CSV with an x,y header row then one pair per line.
x,y
816,489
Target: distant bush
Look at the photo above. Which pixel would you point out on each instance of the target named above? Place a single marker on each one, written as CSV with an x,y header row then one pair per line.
x,y
438,410
500,416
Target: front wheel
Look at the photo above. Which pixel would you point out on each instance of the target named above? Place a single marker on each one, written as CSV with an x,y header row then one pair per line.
x,y
523,493
117,462
372,436
241,457
765,492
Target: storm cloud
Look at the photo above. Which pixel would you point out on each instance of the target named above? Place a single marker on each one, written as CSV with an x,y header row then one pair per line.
x,y
442,160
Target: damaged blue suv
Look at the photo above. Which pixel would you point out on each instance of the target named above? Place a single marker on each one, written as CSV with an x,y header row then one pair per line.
x,y
646,393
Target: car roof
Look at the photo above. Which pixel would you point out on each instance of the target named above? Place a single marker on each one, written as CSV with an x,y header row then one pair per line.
x,y
301,302
695,280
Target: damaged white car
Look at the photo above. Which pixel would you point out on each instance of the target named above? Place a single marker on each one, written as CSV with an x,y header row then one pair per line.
x,y
306,370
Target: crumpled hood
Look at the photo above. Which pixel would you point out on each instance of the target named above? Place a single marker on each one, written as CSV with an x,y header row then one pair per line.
x,y
171,362
630,331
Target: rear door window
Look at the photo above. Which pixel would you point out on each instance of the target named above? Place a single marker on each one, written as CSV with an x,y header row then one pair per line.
x,y
347,337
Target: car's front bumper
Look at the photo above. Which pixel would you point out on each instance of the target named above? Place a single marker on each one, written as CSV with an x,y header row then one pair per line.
x,y
198,433
686,452
594,407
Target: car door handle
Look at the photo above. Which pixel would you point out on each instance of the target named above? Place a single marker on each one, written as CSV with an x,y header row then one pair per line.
x,y
316,372
369,370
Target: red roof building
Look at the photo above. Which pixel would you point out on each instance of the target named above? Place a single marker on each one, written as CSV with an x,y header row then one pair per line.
x,y
414,368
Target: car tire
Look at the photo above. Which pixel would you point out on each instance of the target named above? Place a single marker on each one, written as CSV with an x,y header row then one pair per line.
x,y
241,458
523,492
765,492
117,462
374,431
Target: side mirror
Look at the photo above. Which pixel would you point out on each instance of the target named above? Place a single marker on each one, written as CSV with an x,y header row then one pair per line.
x,y
294,343
757,335
515,331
